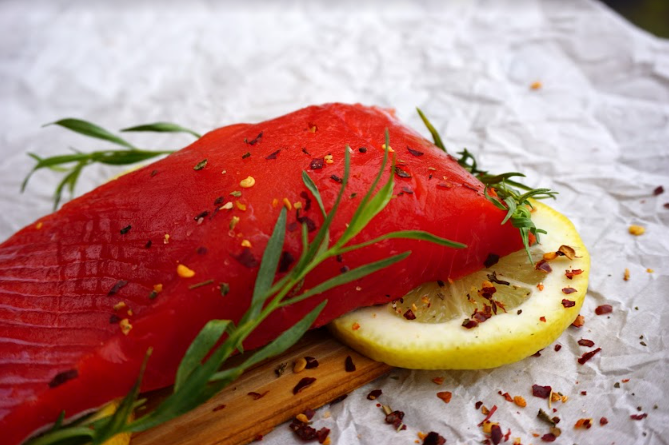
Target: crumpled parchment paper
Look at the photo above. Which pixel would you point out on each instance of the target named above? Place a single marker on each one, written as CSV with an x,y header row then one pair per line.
x,y
596,130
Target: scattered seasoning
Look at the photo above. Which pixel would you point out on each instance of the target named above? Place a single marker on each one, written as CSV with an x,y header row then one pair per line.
x,y
409,315
154,173
328,159
246,258
469,324
496,434
311,362
541,415
306,433
152,295
200,165
246,155
587,343
395,418
433,438
478,405
317,163
579,321
636,230
218,408
572,273
603,309
603,421
362,149
287,204
568,303
236,193
286,260
225,288
543,266
117,287
148,244
401,173
542,392
126,229
390,149
204,283
273,155
535,86
583,423
256,395
248,182
218,201
201,250
658,190
254,141
415,152
336,178
374,394
638,416
548,437
246,243
184,272
626,275
568,290
280,369
299,365
489,415
588,355
240,206
303,384
520,401
349,366
493,279
438,380
445,396
125,326
557,347
344,269
114,319
166,238
311,225
201,215
63,377
491,260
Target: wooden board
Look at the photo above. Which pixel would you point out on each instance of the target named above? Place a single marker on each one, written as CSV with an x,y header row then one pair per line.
x,y
234,417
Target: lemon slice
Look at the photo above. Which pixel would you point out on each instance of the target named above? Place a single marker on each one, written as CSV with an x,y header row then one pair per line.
x,y
496,316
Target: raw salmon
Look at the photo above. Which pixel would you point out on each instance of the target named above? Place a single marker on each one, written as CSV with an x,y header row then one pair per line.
x,y
85,291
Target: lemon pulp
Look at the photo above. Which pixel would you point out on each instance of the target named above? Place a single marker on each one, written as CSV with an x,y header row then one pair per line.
x,y
492,317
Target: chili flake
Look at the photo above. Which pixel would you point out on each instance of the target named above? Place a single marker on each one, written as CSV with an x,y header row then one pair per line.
x,y
588,355
273,155
415,152
445,396
125,326
240,206
433,438
184,272
225,288
409,315
236,193
438,380
390,149
303,384
246,258
63,377
248,182
254,141
587,343
200,165
579,321
401,173
311,362
603,421
638,416
355,326
148,244
349,366
469,324
535,85
395,419
246,243
636,230
374,394
336,178
328,159
520,401
126,229
572,273
603,309
246,155
256,395
568,303
117,287
583,423
317,163
543,266
542,392
568,290
491,260
567,251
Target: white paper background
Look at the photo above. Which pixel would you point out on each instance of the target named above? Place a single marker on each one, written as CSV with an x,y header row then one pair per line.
x,y
597,131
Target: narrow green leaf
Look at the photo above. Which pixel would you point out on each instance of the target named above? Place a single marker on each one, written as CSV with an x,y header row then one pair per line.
x,y
286,339
433,131
198,349
406,234
89,129
309,183
347,277
163,127
125,157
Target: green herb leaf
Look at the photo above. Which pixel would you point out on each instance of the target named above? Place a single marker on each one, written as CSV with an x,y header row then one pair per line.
x,y
407,234
199,349
89,129
433,131
163,127
309,183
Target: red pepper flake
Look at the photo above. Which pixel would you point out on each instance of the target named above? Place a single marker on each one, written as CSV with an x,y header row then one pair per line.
x,y
568,290
409,315
478,405
258,438
415,152
438,380
625,380
218,408
572,273
362,149
469,324
246,258
307,200
148,244
538,353
584,393
543,266
126,229
311,362
579,321
317,163
117,287
658,190
395,419
309,413
445,396
407,190
311,225
306,433
336,178
256,395
493,278
583,423
542,392
303,384
548,437
349,366
490,413
666,205
603,421
568,303
273,155
491,260
638,416
374,394
506,396
246,155
557,347
496,434
603,309
543,319
63,377
567,251
254,141
433,438
401,173
586,343
588,355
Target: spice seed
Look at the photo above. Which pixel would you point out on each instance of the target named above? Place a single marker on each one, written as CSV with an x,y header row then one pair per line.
x,y
300,365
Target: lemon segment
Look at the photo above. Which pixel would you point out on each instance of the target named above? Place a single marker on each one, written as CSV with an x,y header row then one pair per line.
x,y
530,313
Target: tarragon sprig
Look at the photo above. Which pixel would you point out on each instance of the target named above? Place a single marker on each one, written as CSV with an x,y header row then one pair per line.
x,y
505,194
199,376
76,162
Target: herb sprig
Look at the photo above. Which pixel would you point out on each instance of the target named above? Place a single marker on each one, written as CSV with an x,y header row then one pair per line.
x,y
199,376
502,191
78,161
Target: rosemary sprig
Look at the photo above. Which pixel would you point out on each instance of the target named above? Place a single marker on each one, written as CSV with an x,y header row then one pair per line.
x,y
502,191
76,162
199,376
